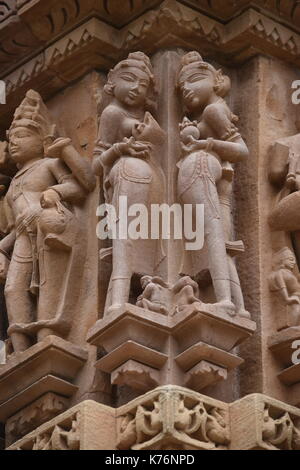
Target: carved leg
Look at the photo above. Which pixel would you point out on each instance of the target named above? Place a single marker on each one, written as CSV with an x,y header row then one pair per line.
x,y
121,275
19,303
236,290
203,191
218,263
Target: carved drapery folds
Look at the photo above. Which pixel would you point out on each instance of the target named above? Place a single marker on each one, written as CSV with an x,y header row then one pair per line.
x,y
153,303
45,184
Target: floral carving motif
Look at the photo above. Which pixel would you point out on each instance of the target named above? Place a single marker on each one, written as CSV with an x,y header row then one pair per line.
x,y
173,417
60,438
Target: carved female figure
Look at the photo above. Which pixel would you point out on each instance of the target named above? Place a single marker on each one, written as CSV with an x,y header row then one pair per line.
x,y
129,141
209,139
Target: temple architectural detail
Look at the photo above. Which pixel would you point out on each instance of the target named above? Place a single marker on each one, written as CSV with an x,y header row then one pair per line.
x,y
149,225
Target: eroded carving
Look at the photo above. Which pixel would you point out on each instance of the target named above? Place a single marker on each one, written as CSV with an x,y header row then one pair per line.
x,y
171,418
155,295
44,243
34,415
280,432
61,438
285,284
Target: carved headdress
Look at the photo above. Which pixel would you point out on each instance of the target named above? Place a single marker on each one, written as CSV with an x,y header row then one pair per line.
x,y
33,113
194,60
280,257
135,59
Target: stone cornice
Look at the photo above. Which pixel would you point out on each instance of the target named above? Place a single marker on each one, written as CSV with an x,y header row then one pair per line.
x,y
48,49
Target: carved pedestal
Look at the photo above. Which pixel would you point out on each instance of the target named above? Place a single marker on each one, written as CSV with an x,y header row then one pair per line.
x,y
36,385
144,349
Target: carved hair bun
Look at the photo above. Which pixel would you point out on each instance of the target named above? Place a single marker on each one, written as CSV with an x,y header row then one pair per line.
x,y
190,58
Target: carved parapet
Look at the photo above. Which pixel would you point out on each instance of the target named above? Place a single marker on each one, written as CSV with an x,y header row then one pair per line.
x,y
137,346
262,423
173,417
36,384
87,426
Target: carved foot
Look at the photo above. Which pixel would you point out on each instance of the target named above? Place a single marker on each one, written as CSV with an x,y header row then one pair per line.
x,y
113,308
227,306
244,314
31,329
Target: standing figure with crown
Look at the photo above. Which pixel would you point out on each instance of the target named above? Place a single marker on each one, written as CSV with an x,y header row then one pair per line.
x,y
127,154
210,144
42,254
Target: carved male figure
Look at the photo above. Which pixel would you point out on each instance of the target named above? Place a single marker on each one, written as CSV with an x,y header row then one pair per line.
x,y
154,296
37,254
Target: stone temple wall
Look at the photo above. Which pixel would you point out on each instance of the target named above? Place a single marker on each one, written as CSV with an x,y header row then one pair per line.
x,y
143,341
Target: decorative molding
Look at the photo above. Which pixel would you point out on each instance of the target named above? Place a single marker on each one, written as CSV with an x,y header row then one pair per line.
x,y
65,437
98,45
29,418
7,8
171,417
86,426
287,10
174,417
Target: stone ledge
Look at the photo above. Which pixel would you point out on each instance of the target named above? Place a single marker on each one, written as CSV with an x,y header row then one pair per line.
x,y
49,63
171,417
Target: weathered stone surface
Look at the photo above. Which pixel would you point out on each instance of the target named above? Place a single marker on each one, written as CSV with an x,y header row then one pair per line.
x,y
106,343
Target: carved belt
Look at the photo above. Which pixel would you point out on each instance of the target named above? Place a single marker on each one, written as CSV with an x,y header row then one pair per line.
x,y
26,225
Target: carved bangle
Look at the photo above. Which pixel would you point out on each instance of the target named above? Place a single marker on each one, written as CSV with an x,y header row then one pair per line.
x,y
209,144
117,150
5,254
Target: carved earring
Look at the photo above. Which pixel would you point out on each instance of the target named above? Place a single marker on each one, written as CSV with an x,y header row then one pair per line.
x,y
223,84
109,88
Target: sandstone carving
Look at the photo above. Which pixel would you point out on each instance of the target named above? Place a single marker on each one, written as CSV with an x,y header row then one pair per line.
x,y
119,331
34,415
154,296
43,231
60,439
209,144
174,417
128,154
285,284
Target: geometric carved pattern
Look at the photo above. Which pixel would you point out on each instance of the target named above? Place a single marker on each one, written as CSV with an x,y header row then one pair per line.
x,y
79,51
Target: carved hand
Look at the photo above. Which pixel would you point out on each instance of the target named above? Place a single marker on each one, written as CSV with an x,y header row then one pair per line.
x,y
56,148
194,145
49,198
293,300
135,148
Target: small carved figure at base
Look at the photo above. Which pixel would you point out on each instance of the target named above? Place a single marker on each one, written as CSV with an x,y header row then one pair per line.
x,y
154,295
